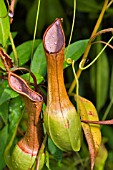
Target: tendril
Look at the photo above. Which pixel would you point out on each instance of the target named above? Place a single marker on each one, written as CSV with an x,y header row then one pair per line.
x,y
82,61
73,22
77,86
103,42
100,32
109,3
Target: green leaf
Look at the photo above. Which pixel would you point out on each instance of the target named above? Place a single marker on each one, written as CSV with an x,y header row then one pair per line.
x,y
2,65
24,51
109,162
38,77
85,6
15,109
15,115
3,142
4,24
75,50
99,78
101,158
7,94
54,150
3,85
111,86
92,7
4,111
38,64
107,131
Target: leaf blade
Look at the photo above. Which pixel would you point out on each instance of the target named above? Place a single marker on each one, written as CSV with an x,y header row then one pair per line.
x,y
24,51
99,74
91,131
3,138
7,94
38,64
75,50
111,86
4,24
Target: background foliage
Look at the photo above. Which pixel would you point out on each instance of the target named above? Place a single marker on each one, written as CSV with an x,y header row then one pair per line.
x,y
96,83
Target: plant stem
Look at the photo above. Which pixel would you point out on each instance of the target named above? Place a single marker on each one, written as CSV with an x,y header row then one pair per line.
x,y
35,29
89,45
109,4
77,86
14,50
73,23
36,22
41,151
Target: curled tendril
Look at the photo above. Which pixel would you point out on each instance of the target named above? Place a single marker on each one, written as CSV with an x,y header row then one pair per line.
x,y
82,61
7,11
69,61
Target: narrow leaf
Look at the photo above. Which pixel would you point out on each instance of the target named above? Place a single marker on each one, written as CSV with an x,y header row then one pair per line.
x,y
107,132
100,79
4,24
92,7
101,158
111,86
47,160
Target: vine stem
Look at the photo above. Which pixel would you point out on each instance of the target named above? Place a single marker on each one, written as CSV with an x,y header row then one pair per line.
x,y
36,22
89,45
73,23
35,29
14,50
77,86
41,151
109,3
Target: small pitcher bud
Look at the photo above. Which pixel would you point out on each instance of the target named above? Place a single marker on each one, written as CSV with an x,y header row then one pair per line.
x,y
61,120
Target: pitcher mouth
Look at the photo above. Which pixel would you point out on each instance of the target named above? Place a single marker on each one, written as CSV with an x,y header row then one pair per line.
x,y
54,37
20,86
